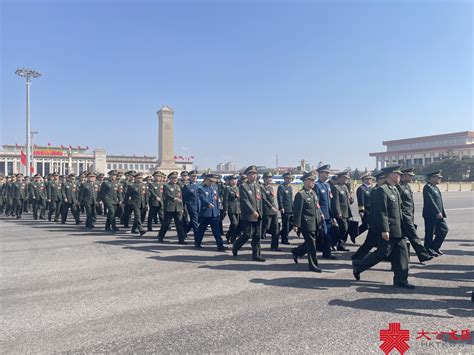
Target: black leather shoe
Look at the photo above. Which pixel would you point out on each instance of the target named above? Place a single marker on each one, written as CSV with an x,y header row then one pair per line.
x,y
355,272
439,252
341,248
142,233
197,246
259,259
428,258
234,251
333,248
432,252
223,248
316,269
295,257
405,285
182,242
353,239
115,229
330,257
160,240
275,249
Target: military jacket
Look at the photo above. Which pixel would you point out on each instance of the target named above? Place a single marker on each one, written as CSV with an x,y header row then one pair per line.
x,y
306,212
363,198
285,198
324,194
172,198
137,194
38,191
209,195
155,191
408,206
19,190
190,196
268,200
69,192
2,193
340,201
232,199
387,211
88,193
432,202
53,191
250,201
110,192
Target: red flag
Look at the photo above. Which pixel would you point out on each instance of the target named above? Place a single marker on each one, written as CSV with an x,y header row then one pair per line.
x,y
23,158
49,144
32,170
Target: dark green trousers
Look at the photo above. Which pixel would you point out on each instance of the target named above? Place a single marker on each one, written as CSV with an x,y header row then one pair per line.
x,y
396,250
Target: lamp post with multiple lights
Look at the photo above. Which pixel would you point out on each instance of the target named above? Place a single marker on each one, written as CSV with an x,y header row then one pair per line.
x,y
28,74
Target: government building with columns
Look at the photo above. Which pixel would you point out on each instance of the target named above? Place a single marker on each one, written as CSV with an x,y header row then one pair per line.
x,y
421,151
67,159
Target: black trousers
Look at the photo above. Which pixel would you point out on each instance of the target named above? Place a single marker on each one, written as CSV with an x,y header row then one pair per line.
x,y
250,230
90,214
364,225
55,208
435,232
409,231
128,209
18,205
233,231
178,221
270,225
74,210
193,221
369,243
137,218
343,226
111,212
308,247
152,214
286,226
39,205
396,250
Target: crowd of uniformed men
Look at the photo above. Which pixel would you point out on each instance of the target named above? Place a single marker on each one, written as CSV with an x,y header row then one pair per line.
x,y
320,211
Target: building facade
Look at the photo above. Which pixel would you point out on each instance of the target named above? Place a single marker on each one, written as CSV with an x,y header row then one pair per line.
x,y
65,160
421,151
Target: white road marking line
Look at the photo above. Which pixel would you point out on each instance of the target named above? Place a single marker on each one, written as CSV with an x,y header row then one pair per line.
x,y
459,209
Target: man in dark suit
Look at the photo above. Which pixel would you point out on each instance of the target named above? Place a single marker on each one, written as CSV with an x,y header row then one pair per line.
x,y
434,214
251,215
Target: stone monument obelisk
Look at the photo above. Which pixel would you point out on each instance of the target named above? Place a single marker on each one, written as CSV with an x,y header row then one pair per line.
x,y
165,140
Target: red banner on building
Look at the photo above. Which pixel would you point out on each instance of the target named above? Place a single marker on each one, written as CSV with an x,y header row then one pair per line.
x,y
48,152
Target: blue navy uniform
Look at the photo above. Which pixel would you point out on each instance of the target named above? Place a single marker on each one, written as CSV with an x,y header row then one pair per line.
x,y
323,191
191,200
209,215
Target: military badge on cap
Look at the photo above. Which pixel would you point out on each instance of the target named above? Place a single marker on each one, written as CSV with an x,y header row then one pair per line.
x,y
173,174
436,173
324,168
308,176
408,171
251,169
392,169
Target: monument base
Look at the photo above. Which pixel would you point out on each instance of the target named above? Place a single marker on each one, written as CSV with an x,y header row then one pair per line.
x,y
168,167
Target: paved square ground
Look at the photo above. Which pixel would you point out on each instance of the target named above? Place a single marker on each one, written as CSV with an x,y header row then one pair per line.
x,y
66,289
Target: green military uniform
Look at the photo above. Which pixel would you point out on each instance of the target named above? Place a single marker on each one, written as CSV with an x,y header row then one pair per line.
x,y
155,191
137,197
386,207
408,226
19,195
270,213
173,209
53,194
307,217
340,206
70,196
128,208
251,205
231,205
2,193
38,196
111,196
88,199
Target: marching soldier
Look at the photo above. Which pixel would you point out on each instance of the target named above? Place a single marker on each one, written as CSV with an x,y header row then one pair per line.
x,y
371,237
111,195
285,205
137,196
191,201
434,214
128,208
173,208
9,208
19,194
154,199
53,194
2,193
408,209
363,202
307,218
251,215
232,207
270,211
324,194
88,199
209,213
341,209
386,206
38,196
70,196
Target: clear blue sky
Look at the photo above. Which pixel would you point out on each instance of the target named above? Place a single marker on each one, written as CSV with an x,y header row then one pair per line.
x,y
321,80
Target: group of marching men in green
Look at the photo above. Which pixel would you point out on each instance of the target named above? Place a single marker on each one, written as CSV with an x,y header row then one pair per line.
x,y
320,211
